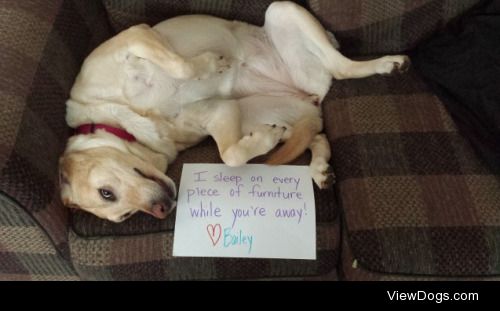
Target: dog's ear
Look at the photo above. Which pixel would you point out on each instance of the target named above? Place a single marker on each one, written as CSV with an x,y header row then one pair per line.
x,y
144,42
71,205
157,159
63,172
64,183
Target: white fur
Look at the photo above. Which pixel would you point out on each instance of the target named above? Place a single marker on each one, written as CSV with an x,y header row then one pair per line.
x,y
194,76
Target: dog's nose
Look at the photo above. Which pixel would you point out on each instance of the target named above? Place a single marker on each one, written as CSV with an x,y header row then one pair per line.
x,y
163,208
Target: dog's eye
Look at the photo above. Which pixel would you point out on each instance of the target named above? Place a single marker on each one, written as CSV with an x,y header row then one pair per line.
x,y
107,195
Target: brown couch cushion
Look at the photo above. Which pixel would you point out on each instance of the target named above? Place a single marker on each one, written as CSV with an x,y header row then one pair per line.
x,y
353,270
125,13
365,27
416,198
149,257
43,45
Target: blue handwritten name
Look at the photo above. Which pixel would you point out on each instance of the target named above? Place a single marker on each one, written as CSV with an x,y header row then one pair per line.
x,y
237,239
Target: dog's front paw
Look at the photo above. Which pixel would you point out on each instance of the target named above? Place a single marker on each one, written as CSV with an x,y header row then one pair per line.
x,y
393,64
254,144
209,64
222,64
265,139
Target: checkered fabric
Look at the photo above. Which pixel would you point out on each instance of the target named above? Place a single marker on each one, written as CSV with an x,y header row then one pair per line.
x,y
365,27
26,253
416,198
351,269
43,44
141,247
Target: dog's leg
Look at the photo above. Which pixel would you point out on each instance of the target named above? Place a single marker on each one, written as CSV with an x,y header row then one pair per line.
x,y
255,144
292,28
144,42
222,119
320,169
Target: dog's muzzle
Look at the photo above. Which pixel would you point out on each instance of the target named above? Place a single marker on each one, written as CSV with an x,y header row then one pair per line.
x,y
163,206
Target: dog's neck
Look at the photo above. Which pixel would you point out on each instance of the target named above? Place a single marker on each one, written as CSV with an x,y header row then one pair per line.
x,y
102,138
90,128
147,131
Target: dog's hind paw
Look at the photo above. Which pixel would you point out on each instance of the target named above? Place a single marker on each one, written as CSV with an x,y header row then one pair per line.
x,y
401,67
393,64
322,174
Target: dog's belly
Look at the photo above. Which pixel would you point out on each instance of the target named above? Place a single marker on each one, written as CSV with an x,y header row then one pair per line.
x,y
256,67
260,70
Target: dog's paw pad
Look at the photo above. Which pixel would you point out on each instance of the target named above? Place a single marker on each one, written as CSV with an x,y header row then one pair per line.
x,y
401,67
222,64
322,174
274,133
330,179
397,64
263,139
313,99
209,63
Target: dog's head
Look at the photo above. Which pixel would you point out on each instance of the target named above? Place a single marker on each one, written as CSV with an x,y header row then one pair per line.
x,y
114,184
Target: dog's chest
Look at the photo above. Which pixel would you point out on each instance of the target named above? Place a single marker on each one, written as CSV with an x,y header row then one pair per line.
x,y
190,91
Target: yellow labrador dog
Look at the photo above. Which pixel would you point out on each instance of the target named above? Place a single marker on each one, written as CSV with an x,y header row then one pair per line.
x,y
150,92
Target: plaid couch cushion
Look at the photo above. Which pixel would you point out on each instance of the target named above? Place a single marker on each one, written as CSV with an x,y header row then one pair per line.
x,y
141,247
43,44
125,13
352,269
365,27
415,196
149,257
26,253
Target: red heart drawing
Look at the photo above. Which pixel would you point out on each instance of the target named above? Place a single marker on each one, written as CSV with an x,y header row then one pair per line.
x,y
214,232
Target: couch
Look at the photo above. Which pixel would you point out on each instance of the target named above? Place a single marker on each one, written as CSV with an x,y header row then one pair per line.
x,y
412,200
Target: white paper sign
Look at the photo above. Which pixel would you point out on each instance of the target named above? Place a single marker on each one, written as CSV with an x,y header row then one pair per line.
x,y
254,211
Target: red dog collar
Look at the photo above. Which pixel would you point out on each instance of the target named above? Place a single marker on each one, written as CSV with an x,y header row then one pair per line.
x,y
91,128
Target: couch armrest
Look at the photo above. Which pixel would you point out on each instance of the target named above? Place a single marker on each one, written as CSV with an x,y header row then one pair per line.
x,y
43,44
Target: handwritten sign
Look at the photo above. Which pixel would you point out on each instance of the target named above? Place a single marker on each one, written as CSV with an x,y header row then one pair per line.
x,y
256,211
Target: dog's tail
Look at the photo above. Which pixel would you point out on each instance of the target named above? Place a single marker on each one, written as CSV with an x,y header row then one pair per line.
x,y
303,133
